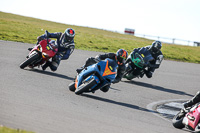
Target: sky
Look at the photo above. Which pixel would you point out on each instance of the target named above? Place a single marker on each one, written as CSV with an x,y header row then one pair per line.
x,y
178,19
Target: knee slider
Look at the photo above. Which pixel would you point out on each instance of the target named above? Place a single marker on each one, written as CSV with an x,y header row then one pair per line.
x,y
54,66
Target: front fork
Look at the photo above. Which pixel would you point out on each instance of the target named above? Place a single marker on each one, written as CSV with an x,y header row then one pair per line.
x,y
91,78
131,71
33,53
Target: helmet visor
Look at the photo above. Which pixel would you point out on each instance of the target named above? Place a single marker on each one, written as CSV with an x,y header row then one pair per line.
x,y
68,39
121,60
155,49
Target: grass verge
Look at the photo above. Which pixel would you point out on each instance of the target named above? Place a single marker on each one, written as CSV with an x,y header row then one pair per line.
x,y
26,29
9,130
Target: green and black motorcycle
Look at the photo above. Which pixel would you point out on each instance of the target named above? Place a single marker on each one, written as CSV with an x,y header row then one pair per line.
x,y
137,63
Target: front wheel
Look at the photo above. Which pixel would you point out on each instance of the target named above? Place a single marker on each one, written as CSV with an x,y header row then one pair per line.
x,y
197,128
29,61
85,87
72,86
177,121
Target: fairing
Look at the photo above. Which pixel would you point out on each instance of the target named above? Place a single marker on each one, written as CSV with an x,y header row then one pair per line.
x,y
141,58
193,117
45,49
103,72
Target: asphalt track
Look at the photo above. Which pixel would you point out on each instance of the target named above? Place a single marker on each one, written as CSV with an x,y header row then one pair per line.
x,y
40,101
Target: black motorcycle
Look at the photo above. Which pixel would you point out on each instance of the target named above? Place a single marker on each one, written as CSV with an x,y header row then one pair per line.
x,y
137,63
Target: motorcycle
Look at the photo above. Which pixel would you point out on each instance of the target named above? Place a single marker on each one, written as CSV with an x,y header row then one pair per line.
x,y
137,63
189,118
94,77
40,54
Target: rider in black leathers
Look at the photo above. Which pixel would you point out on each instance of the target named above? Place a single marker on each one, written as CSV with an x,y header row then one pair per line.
x,y
193,101
65,43
119,57
190,103
155,50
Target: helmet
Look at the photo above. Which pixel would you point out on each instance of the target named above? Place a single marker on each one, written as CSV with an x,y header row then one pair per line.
x,y
69,35
156,46
121,56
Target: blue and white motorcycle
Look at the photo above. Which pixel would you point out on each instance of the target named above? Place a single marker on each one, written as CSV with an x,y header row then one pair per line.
x,y
94,77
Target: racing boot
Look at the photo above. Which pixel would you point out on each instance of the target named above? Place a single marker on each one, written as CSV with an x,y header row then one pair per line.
x,y
79,70
89,61
193,101
47,64
30,49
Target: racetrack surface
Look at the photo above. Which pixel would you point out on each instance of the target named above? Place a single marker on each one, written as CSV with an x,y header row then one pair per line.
x,y
40,101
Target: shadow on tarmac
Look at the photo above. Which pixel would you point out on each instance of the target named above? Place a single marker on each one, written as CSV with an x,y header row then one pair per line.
x,y
50,73
155,87
117,103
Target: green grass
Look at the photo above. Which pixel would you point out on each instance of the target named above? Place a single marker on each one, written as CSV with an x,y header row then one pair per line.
x,y
9,130
26,29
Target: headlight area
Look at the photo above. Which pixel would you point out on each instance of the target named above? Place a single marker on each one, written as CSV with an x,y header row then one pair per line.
x,y
45,55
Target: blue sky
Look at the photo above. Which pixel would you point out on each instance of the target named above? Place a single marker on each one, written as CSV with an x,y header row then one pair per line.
x,y
165,18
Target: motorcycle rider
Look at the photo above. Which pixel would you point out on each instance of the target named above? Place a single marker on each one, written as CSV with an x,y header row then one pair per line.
x,y
193,101
65,43
155,50
190,103
120,56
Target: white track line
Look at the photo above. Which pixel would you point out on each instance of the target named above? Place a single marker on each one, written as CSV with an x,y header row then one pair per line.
x,y
171,102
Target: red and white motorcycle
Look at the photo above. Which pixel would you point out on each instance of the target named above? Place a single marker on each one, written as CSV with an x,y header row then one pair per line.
x,y
189,118
40,54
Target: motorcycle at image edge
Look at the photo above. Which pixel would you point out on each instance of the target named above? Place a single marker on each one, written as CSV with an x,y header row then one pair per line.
x,y
94,77
137,63
190,118
39,54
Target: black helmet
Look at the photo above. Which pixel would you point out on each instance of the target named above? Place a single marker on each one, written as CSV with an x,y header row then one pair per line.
x,y
69,35
156,46
121,56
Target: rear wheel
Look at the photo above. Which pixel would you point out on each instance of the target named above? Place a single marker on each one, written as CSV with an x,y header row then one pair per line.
x,y
28,61
129,76
85,87
177,121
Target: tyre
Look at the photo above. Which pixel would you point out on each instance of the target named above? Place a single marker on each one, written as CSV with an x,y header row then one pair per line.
x,y
128,76
177,121
85,87
28,61
197,128
72,86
